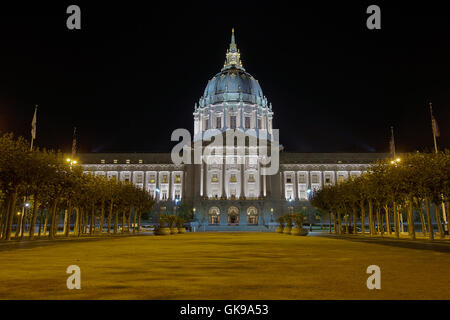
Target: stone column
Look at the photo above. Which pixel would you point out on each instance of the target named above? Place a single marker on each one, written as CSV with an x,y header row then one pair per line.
x,y
205,175
242,179
169,195
223,178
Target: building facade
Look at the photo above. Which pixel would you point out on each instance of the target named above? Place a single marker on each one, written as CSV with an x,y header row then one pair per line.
x,y
230,192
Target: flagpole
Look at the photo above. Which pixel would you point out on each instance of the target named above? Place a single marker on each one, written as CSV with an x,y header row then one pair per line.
x,y
393,140
33,128
433,127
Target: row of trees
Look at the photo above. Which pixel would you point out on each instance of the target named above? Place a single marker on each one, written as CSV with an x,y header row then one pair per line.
x,y
417,182
39,188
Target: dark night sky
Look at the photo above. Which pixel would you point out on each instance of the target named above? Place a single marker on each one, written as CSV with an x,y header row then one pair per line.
x,y
132,74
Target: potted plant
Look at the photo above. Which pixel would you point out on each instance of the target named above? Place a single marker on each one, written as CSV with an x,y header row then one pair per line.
x,y
172,219
180,225
280,228
288,220
298,230
163,228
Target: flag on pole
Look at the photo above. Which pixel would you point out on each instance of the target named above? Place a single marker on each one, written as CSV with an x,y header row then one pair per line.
x,y
392,142
435,126
33,125
74,142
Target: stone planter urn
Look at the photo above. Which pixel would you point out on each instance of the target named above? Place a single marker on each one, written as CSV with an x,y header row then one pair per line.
x,y
173,230
299,231
162,231
182,230
279,229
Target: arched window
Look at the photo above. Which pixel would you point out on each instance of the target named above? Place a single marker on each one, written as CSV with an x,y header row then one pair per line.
x,y
233,215
213,215
252,215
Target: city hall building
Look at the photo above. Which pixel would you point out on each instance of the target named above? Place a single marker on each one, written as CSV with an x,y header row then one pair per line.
x,y
232,194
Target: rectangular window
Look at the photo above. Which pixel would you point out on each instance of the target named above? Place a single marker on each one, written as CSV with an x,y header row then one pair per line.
x,y
315,178
140,161
341,178
259,124
102,161
206,124
164,178
302,178
214,178
251,178
139,178
177,178
233,178
115,161
233,122
128,161
152,179
327,178
218,122
289,179
247,122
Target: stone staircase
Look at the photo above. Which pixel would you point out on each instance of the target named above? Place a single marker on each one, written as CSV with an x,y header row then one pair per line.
x,y
238,228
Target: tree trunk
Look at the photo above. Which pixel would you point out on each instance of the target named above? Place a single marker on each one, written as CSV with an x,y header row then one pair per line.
x,y
92,224
102,217
396,222
34,216
363,222
139,221
41,220
116,222
329,222
134,221
67,219
5,214
412,231
10,215
46,221
339,222
371,218
51,231
378,230
430,226
129,220
447,210
354,219
123,221
334,223
76,227
110,216
438,220
422,221
388,222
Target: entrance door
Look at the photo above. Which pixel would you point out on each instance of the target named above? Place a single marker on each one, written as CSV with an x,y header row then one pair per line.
x,y
233,216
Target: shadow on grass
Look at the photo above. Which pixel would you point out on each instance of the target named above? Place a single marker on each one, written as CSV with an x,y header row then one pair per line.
x,y
420,244
43,242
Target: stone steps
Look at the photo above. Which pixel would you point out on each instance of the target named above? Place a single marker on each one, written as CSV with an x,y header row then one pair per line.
x,y
246,228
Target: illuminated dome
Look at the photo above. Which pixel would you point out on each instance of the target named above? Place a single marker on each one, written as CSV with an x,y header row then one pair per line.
x,y
232,99
233,83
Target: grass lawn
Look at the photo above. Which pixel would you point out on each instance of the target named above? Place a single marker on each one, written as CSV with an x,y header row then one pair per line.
x,y
222,266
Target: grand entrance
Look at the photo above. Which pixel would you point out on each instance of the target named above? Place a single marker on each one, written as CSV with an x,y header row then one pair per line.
x,y
213,215
252,215
233,216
